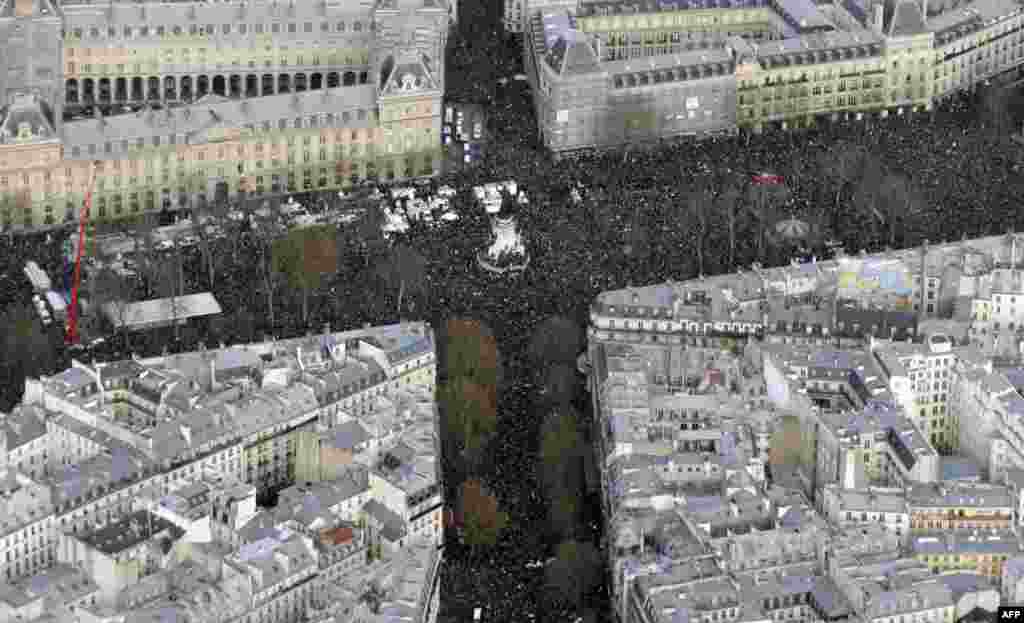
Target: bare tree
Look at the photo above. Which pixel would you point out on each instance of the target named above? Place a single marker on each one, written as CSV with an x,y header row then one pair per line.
x,y
698,204
304,256
110,291
403,269
764,203
728,202
268,223
170,284
845,164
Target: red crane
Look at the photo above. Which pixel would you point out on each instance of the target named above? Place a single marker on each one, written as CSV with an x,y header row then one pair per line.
x,y
71,337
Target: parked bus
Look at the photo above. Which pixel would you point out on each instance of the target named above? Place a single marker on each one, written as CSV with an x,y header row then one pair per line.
x,y
57,304
37,277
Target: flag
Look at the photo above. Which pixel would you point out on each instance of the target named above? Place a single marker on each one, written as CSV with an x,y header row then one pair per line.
x,y
767,178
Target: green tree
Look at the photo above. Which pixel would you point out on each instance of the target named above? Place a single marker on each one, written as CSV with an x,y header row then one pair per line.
x,y
304,256
575,572
469,411
561,383
562,461
556,339
403,270
471,351
481,518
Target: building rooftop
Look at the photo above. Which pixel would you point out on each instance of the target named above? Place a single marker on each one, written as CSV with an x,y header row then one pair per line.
x,y
875,500
222,119
966,542
209,398
614,7
146,314
135,528
968,18
960,495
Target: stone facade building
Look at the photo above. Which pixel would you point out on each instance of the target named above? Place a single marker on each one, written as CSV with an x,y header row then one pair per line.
x,y
257,97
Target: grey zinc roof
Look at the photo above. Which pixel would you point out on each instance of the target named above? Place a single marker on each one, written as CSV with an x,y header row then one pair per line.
x,y
198,120
135,528
907,20
962,583
40,8
965,542
347,435
959,468
580,57
409,68
23,425
30,113
596,7
392,526
977,12
655,63
80,13
804,12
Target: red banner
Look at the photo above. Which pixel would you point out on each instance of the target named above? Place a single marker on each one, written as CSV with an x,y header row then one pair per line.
x,y
767,178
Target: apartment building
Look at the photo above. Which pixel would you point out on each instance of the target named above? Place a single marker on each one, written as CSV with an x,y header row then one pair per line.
x,y
920,376
1012,586
855,348
904,584
120,553
985,403
960,506
751,65
875,505
982,551
257,97
192,439
59,591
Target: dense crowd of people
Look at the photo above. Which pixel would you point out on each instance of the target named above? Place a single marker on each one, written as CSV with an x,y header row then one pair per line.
x,y
966,181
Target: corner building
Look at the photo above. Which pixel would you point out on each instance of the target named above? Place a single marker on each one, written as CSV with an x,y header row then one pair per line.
x,y
608,72
260,96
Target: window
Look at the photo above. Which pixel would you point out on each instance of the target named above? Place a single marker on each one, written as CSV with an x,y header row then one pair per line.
x,y
341,28
242,28
160,31
291,28
358,27
226,29
144,31
309,27
258,28
325,27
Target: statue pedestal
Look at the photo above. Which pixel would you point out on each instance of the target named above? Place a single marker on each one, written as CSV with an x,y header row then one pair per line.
x,y
506,254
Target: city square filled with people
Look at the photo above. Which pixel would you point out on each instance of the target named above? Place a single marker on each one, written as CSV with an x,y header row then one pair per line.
x,y
594,222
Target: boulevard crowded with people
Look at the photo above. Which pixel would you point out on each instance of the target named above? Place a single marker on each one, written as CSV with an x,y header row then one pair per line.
x,y
639,216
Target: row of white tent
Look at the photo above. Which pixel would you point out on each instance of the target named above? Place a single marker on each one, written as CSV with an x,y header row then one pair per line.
x,y
490,195
425,209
